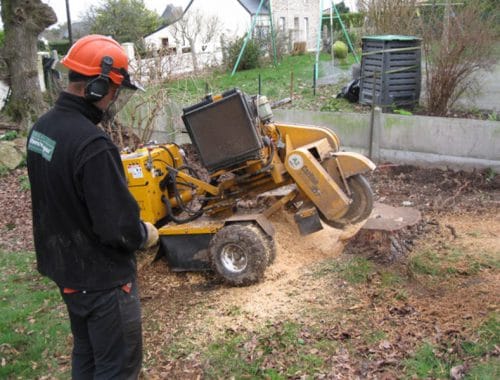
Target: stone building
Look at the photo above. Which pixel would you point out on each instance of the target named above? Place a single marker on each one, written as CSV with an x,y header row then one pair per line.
x,y
299,19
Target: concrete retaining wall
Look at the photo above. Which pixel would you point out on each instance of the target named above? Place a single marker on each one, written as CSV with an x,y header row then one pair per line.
x,y
418,140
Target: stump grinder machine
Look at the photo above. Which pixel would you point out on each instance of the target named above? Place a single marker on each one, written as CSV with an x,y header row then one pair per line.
x,y
245,154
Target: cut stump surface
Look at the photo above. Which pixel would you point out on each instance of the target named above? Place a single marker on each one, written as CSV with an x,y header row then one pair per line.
x,y
388,233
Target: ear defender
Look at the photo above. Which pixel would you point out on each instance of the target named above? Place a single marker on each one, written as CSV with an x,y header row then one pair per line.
x,y
98,88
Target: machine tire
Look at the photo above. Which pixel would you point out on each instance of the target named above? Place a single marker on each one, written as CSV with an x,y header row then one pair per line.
x,y
239,254
361,206
271,250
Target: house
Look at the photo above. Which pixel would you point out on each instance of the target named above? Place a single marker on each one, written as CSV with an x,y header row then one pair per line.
x,y
234,21
192,45
296,19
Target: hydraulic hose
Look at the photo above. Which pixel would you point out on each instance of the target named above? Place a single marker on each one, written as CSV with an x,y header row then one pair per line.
x,y
172,178
176,219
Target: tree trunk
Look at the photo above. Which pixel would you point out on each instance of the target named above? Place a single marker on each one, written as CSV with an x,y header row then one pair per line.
x,y
23,21
194,57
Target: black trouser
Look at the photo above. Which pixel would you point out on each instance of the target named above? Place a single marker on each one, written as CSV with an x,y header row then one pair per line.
x,y
107,334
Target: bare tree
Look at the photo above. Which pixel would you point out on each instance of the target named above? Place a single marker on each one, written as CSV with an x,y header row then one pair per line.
x,y
457,47
390,16
23,21
196,26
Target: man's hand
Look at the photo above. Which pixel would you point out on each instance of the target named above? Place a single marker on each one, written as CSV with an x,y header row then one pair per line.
x,y
152,238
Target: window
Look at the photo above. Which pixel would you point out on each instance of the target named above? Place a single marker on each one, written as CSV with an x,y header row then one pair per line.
x,y
282,24
262,31
164,42
296,25
306,28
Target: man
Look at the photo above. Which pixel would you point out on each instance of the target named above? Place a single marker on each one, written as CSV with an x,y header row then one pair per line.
x,y
86,223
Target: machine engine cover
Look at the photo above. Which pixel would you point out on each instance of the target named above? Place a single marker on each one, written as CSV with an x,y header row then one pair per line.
x,y
224,131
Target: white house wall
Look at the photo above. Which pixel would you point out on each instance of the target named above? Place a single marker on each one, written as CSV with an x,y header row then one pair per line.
x,y
303,10
234,18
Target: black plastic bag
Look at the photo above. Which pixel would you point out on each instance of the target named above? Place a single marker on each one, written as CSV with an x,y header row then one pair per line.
x,y
350,92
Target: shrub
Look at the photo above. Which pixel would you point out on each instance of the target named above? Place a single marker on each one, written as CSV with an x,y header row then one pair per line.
x,y
8,136
339,50
281,41
61,46
391,16
250,58
455,50
353,36
350,20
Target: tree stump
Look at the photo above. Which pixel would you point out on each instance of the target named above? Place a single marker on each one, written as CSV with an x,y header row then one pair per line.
x,y
388,233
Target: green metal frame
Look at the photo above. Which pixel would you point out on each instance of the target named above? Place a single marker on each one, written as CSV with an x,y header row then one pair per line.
x,y
272,33
318,39
344,30
250,32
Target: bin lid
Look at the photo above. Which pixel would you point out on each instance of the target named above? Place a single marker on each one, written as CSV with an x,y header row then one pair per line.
x,y
391,37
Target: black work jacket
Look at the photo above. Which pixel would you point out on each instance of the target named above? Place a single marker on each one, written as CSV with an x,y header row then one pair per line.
x,y
86,223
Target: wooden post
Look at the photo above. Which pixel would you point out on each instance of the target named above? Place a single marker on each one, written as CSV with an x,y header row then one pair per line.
x,y
372,115
291,85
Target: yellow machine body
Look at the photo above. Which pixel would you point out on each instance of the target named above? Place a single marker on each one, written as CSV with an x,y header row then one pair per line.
x,y
244,155
144,171
311,160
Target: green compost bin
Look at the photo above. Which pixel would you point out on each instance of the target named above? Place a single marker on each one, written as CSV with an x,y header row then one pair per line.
x,y
392,64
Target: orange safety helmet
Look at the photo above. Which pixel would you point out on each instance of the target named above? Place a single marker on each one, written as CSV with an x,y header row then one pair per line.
x,y
86,55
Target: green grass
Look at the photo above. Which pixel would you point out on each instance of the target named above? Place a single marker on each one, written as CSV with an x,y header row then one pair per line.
x,y
375,336
390,279
489,370
354,271
426,262
246,354
275,81
4,170
425,363
453,261
487,337
430,361
24,183
33,326
9,136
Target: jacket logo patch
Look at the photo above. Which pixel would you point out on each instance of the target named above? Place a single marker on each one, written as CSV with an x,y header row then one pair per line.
x,y
41,144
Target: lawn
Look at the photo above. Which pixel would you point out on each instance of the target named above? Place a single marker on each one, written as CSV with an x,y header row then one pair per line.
x,y
34,330
276,81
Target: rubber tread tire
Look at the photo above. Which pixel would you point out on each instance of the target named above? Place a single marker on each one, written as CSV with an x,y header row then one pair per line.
x,y
253,242
271,250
